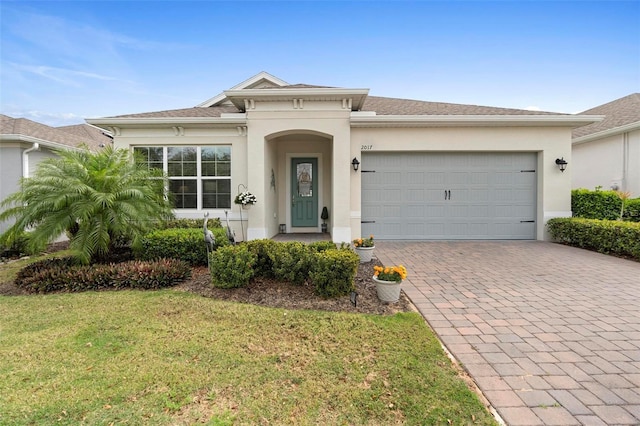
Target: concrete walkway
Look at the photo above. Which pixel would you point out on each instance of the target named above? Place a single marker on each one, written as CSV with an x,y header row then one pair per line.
x,y
551,334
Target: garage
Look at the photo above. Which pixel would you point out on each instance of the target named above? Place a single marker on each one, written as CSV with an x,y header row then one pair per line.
x,y
449,195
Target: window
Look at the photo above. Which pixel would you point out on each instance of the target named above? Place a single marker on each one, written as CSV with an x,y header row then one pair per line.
x,y
199,177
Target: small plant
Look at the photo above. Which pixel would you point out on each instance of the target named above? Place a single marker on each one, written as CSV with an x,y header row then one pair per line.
x,y
333,272
364,242
624,196
245,198
390,273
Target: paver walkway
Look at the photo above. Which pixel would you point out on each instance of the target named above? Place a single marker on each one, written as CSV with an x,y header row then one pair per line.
x,y
551,334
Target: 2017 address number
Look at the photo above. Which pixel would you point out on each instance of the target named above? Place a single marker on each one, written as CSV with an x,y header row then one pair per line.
x,y
366,147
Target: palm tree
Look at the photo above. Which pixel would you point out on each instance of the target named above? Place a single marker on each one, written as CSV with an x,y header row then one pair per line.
x,y
99,198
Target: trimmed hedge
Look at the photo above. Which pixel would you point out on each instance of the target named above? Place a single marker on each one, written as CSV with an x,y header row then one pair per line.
x,y
65,274
604,236
232,266
604,205
334,272
330,270
185,244
213,222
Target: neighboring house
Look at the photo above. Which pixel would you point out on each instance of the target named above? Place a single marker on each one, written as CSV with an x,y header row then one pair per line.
x,y
607,153
24,143
427,170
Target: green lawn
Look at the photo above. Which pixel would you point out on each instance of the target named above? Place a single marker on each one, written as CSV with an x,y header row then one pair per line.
x,y
167,357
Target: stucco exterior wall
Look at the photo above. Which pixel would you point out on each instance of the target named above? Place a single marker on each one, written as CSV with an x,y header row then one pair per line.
x,y
554,187
612,163
11,172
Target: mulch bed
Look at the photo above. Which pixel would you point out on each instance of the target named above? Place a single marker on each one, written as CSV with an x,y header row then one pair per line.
x,y
268,292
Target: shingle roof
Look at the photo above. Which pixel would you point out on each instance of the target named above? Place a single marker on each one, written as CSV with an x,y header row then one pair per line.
x,y
214,111
617,113
394,106
73,136
381,105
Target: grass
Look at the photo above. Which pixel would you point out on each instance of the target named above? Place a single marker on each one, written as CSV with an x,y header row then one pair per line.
x,y
167,357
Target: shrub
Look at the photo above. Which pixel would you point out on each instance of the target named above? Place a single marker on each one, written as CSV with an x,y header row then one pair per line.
x,y
292,261
212,223
334,271
16,246
232,266
185,244
261,249
605,236
65,274
595,204
320,246
632,210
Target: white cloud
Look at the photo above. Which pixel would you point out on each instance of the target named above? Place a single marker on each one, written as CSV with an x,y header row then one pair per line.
x,y
533,108
49,118
61,75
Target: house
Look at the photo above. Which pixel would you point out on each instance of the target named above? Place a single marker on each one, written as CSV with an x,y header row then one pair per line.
x,y
607,153
24,143
395,168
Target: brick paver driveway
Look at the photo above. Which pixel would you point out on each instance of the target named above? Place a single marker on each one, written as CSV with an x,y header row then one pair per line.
x,y
551,334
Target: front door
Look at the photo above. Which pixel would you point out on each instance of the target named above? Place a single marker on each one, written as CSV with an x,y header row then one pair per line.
x,y
304,192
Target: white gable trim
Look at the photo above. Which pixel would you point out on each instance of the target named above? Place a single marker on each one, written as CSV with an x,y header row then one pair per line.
x,y
248,82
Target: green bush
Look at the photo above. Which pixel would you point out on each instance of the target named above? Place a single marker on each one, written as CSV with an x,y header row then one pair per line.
x,y
232,266
212,223
605,236
632,210
65,274
321,246
334,271
185,244
595,204
16,246
292,262
261,249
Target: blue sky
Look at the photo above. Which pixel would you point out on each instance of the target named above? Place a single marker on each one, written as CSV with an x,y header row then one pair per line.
x,y
62,61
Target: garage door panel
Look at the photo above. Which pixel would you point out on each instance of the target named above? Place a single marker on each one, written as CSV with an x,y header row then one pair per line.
x,y
449,195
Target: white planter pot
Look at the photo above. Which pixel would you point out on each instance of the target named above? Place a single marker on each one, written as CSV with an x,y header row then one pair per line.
x,y
246,206
388,291
365,253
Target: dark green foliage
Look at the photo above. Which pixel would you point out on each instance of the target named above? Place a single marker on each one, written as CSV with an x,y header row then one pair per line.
x,y
632,210
595,204
261,249
213,222
292,262
334,271
232,266
20,245
605,236
65,274
320,246
178,243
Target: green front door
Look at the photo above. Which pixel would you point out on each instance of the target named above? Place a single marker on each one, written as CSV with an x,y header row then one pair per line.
x,y
304,192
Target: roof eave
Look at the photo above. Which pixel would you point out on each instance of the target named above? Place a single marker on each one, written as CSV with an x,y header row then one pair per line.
x,y
606,133
473,120
42,142
107,123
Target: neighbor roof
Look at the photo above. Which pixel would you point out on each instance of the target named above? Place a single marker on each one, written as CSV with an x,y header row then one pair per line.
x,y
619,113
72,136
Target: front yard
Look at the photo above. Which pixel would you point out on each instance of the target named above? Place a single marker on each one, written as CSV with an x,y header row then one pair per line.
x,y
173,357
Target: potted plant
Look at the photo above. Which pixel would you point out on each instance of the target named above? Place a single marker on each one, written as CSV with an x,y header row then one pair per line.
x,y
245,199
364,247
388,280
324,216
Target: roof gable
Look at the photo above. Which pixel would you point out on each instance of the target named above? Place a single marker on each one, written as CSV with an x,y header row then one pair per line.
x,y
262,80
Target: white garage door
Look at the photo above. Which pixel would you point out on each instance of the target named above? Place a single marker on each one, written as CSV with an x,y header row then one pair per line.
x,y
419,195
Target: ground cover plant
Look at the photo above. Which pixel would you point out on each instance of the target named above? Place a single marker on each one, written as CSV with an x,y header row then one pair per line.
x,y
171,357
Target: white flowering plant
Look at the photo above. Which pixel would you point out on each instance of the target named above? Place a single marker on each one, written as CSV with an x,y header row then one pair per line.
x,y
245,198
